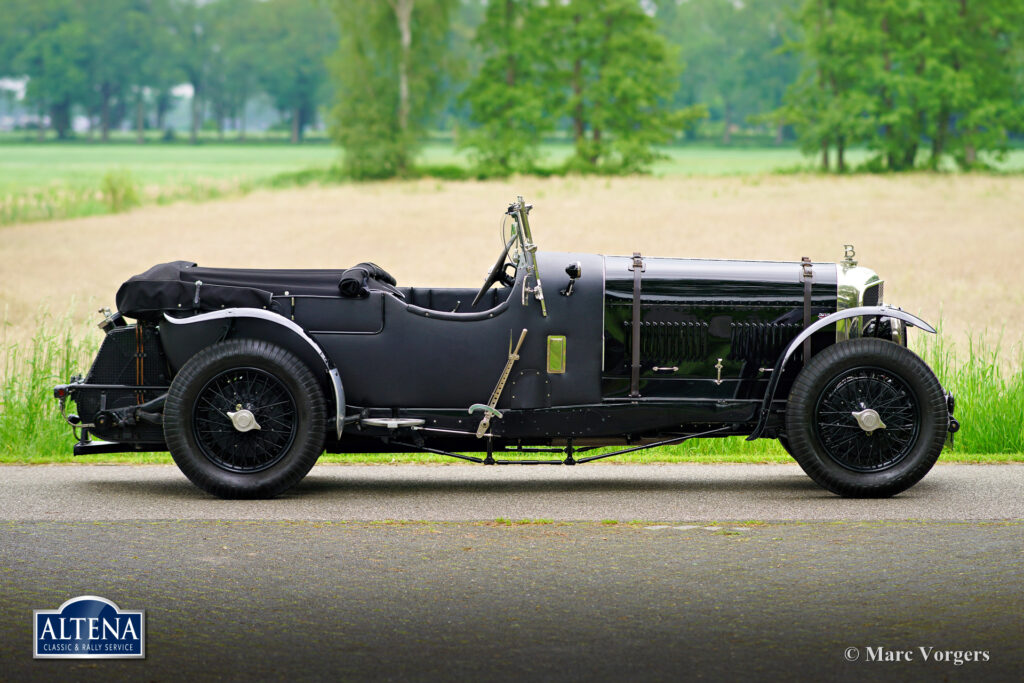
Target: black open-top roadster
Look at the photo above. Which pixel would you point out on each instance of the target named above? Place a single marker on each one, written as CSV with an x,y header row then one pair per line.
x,y
247,376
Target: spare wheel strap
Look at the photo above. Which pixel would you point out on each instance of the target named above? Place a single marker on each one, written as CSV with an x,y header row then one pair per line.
x,y
808,278
634,376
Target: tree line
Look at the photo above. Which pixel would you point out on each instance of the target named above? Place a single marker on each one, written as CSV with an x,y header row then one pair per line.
x,y
600,67
119,60
913,82
908,80
616,77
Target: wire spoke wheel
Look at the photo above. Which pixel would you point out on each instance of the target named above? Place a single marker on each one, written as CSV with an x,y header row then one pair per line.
x,y
245,419
270,403
866,418
842,436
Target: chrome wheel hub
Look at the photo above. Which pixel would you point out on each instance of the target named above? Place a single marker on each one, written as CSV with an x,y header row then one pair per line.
x,y
868,420
243,420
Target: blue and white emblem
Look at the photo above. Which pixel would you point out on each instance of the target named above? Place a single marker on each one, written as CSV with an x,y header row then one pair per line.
x,y
88,627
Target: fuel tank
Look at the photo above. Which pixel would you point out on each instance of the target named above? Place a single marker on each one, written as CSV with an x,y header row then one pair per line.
x,y
708,328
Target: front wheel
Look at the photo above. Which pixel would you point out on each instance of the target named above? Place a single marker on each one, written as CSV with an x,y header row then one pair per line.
x,y
866,418
244,419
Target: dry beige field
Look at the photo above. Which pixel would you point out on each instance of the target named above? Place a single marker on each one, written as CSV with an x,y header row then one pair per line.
x,y
948,247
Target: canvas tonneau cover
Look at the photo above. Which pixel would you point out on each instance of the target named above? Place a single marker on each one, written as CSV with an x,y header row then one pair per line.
x,y
184,286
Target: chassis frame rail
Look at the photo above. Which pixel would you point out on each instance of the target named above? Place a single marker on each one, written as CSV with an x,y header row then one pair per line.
x,y
569,451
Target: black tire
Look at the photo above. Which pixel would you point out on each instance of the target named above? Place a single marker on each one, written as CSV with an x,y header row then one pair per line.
x,y
840,455
283,397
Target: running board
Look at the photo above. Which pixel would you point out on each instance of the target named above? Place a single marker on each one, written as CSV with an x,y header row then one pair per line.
x,y
568,450
101,447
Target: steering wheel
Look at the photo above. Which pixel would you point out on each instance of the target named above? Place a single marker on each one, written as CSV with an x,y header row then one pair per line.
x,y
496,274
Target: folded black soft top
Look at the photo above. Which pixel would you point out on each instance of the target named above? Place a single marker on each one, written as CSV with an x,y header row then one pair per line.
x,y
184,286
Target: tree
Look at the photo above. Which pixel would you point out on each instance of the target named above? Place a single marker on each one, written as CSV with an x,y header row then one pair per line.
x,y
8,36
237,58
159,71
510,107
146,41
827,103
976,76
296,39
462,57
895,76
621,76
714,39
48,41
188,22
770,67
121,33
385,76
732,56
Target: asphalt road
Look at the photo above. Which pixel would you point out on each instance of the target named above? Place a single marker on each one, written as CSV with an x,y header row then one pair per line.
x,y
562,602
683,492
298,588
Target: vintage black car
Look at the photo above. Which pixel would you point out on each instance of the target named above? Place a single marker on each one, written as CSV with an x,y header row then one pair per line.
x,y
247,376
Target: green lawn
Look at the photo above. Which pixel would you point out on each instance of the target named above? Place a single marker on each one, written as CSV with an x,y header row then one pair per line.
x,y
29,166
25,166
53,180
705,159
697,159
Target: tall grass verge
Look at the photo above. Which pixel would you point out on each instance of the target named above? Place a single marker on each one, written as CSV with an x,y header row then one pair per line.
x,y
118,191
31,429
987,380
51,203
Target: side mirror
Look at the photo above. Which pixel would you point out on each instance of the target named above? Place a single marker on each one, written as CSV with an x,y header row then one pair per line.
x,y
574,271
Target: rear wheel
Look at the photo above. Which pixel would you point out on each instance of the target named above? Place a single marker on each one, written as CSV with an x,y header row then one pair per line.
x,y
866,418
244,419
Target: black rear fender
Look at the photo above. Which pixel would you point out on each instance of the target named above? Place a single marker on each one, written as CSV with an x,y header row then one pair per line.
x,y
184,337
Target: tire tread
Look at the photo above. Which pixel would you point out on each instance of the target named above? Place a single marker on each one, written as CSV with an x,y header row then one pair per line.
x,y
283,475
800,412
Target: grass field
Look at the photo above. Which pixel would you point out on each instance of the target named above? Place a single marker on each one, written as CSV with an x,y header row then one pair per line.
x,y
30,166
61,180
39,182
82,165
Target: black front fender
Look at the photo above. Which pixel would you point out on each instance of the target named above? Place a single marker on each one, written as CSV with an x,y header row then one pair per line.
x,y
780,364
